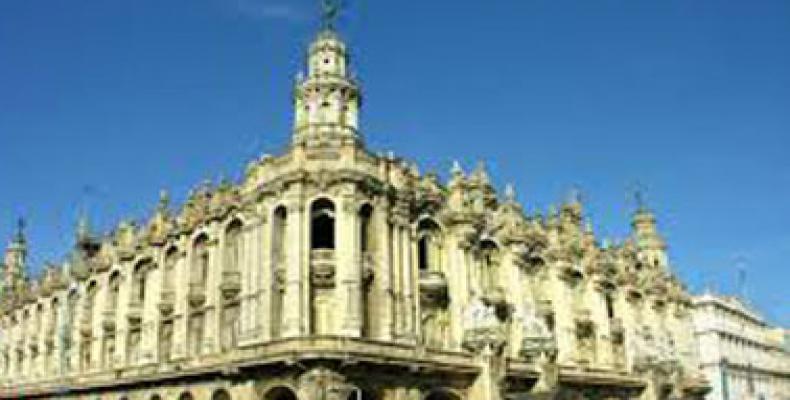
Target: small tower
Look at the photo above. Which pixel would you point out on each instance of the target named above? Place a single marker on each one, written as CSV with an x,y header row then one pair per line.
x,y
327,100
16,257
648,240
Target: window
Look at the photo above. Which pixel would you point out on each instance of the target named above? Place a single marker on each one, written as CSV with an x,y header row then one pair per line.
x,y
233,246
279,234
200,261
365,229
609,305
115,288
140,281
322,230
171,258
428,245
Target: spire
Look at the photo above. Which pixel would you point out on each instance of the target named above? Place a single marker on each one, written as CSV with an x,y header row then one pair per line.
x,y
18,240
15,255
327,100
83,228
645,232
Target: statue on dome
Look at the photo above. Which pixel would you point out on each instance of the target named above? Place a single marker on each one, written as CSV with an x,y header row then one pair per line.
x,y
331,10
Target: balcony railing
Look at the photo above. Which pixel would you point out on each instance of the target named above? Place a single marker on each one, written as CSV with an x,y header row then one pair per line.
x,y
433,288
231,284
108,319
322,268
167,302
135,312
197,294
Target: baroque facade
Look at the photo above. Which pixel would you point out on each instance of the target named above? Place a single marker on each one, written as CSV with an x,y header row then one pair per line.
x,y
741,355
330,272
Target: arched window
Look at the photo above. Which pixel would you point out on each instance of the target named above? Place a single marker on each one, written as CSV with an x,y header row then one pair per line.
x,y
278,234
156,397
489,259
322,218
54,310
277,273
233,246
115,290
200,261
90,301
221,394
280,393
39,316
428,245
140,282
186,396
171,258
366,231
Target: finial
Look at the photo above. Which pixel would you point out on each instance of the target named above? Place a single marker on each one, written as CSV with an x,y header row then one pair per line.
x,y
83,227
330,11
510,193
588,226
456,170
638,195
164,200
19,236
481,174
575,195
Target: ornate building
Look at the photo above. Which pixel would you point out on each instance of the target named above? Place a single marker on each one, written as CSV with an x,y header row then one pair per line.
x,y
330,272
742,356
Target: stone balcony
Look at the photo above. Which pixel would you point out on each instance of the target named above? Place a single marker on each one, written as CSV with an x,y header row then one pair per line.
x,y
135,312
496,297
108,319
433,289
86,326
231,284
197,294
167,302
617,330
322,268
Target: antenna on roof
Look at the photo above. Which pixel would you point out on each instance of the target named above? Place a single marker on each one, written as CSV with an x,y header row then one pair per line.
x,y
740,279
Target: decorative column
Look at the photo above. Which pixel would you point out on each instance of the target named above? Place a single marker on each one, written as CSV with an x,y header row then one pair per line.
x,y
383,279
294,275
349,267
181,308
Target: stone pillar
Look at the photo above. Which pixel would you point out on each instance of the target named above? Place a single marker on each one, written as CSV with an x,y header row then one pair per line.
x,y
181,308
348,267
397,268
489,382
213,316
410,283
294,311
383,278
254,284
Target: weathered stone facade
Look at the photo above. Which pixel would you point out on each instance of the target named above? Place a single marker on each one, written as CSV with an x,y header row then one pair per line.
x,y
742,356
330,272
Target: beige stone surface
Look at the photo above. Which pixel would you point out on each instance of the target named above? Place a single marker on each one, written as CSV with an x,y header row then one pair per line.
x,y
330,272
741,355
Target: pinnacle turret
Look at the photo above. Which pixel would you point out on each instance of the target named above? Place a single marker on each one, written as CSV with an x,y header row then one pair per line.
x,y
327,100
16,257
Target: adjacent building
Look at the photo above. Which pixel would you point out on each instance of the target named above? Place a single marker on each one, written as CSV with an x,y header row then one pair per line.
x,y
742,356
332,272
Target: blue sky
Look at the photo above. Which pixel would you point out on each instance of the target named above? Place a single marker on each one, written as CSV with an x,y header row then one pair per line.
x,y
690,98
